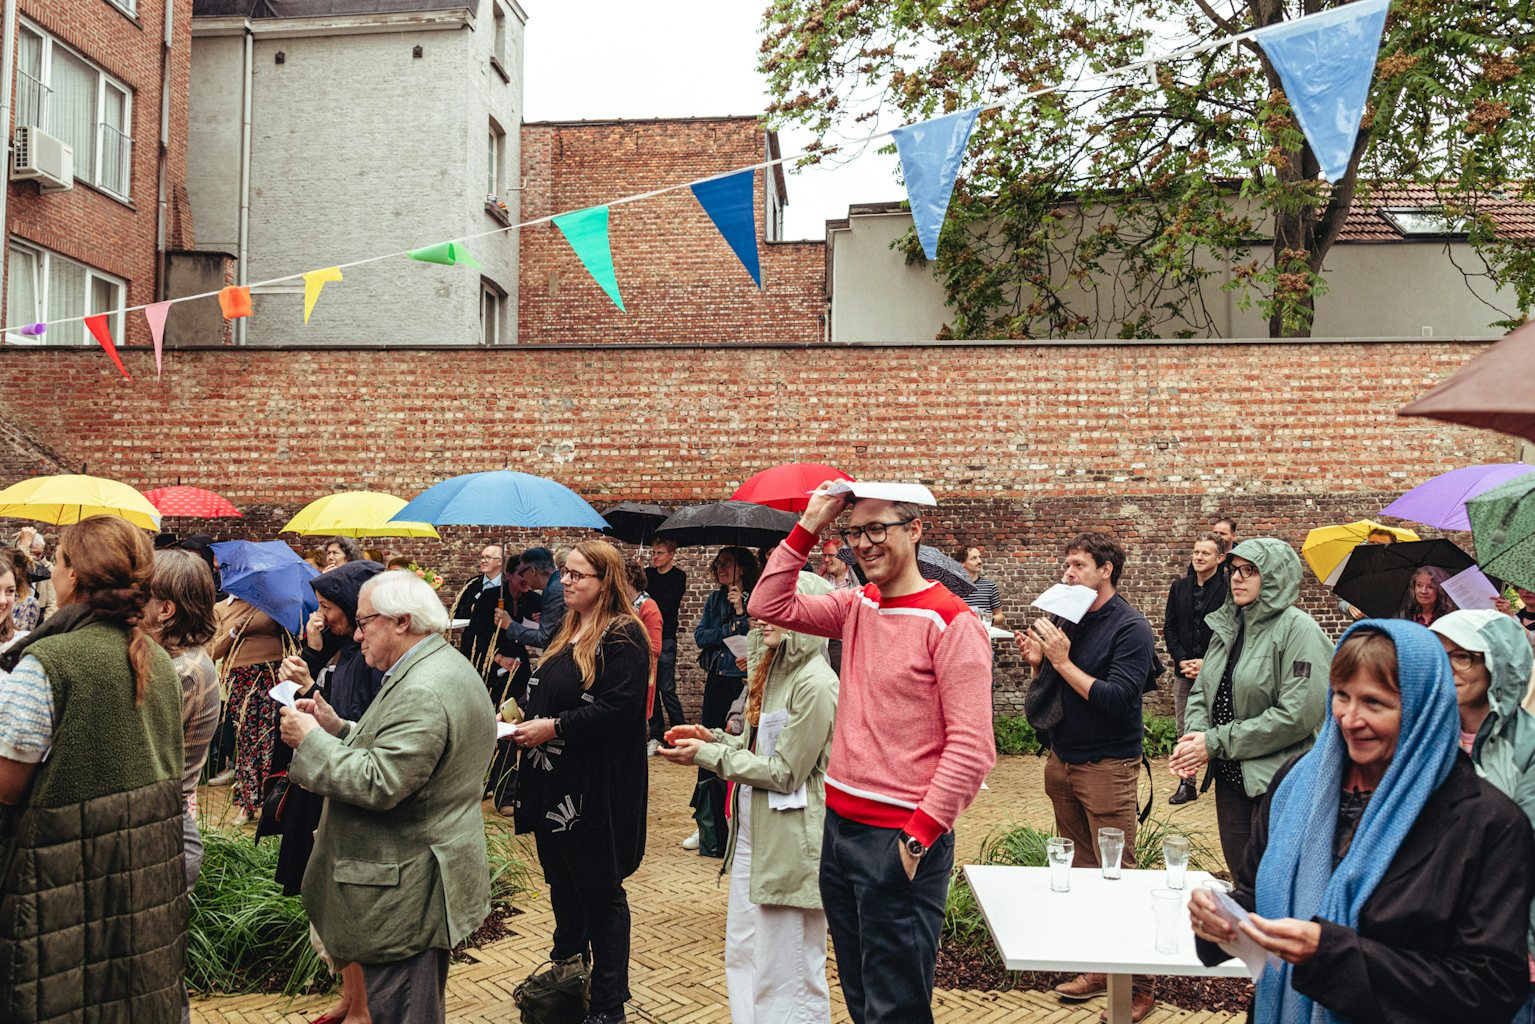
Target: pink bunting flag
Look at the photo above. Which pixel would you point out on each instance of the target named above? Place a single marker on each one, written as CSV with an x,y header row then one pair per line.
x,y
97,325
155,313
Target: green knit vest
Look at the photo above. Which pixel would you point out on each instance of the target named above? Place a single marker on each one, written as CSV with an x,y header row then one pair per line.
x,y
103,741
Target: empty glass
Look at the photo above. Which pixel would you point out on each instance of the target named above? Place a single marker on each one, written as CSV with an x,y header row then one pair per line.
x,y
1175,854
1167,907
1111,847
1216,885
1059,853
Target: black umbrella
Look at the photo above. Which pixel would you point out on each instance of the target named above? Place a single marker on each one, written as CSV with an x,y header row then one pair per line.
x,y
634,522
935,565
728,522
1377,576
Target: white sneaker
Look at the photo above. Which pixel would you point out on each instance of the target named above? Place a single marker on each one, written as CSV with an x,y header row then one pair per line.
x,y
691,842
223,778
652,747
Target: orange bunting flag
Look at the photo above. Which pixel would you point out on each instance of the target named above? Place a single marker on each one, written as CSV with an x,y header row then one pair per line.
x,y
235,302
97,325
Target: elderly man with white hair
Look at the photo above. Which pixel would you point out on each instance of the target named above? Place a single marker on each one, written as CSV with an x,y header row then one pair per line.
x,y
399,872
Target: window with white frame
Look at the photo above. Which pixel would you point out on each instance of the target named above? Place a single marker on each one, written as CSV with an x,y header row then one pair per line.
x,y
492,305
495,149
72,99
498,37
129,7
43,287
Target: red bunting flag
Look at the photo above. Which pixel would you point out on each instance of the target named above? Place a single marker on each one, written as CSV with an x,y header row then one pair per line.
x,y
235,302
97,325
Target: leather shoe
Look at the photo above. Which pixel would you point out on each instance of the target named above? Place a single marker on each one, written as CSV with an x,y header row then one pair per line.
x,y
1186,793
1082,988
1142,1002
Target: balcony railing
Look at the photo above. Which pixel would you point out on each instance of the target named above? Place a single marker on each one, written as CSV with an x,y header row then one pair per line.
x,y
116,160
31,101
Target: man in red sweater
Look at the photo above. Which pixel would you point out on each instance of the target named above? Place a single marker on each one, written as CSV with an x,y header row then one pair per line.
x,y
912,745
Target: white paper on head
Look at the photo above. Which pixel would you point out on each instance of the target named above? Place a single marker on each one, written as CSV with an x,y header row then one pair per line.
x,y
283,693
505,729
1470,588
1068,600
914,493
1242,947
736,645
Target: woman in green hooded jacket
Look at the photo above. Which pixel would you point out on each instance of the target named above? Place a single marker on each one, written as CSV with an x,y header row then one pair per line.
x,y
1261,694
775,929
1491,659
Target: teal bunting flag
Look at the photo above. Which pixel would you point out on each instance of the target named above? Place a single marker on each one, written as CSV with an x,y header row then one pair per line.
x,y
587,232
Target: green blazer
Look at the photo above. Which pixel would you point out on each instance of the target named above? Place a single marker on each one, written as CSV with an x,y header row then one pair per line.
x,y
399,863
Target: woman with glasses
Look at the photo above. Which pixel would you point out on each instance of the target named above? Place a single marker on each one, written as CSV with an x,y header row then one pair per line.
x,y
1261,694
1490,661
724,615
582,781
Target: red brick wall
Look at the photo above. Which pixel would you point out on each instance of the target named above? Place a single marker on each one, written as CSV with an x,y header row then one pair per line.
x,y
1023,444
678,278
83,223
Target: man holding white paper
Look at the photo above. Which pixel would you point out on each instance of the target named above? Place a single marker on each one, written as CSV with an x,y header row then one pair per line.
x,y
913,740
1086,699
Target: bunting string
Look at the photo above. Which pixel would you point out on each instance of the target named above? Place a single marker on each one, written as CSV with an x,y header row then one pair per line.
x,y
1328,107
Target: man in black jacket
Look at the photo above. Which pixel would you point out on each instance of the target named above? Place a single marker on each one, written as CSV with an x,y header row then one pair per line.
x,y
538,569
1192,596
478,603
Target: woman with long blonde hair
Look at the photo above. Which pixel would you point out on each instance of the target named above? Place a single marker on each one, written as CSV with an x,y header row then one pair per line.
x,y
582,782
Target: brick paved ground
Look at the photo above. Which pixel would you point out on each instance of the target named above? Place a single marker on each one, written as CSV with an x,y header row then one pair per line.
x,y
678,903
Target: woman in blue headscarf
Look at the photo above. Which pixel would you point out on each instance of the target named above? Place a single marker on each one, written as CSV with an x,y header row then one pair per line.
x,y
1389,881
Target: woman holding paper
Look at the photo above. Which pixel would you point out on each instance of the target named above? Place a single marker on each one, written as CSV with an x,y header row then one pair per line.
x,y
775,929
724,616
1390,882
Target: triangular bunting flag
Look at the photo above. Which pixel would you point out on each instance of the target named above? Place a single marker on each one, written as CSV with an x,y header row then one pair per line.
x,y
156,314
313,282
931,152
1326,62
446,253
587,232
730,203
235,302
97,325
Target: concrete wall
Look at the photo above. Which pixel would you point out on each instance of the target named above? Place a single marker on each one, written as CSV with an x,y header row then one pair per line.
x,y
1375,289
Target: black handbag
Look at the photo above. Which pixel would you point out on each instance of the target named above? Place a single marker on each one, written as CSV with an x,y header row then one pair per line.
x,y
555,996
274,803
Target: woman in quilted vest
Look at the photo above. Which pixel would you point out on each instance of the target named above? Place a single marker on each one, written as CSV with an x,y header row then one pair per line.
x,y
90,792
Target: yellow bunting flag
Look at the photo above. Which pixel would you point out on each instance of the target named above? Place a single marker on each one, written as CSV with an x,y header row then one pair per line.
x,y
313,282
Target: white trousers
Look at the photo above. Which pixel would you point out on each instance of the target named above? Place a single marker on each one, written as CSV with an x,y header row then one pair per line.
x,y
775,957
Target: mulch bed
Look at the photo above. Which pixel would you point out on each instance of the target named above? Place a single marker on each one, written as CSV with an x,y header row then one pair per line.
x,y
495,928
977,968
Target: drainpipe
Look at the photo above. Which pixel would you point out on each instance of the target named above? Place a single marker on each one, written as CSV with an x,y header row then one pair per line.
x,y
7,77
163,205
245,169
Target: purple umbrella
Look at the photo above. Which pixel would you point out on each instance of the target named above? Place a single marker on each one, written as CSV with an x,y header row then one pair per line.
x,y
1441,501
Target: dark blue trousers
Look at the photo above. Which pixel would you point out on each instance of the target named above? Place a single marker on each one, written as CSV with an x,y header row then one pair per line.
x,y
884,926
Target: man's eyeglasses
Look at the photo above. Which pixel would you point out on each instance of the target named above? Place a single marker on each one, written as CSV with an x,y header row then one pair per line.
x,y
1466,660
1244,572
363,620
574,576
874,533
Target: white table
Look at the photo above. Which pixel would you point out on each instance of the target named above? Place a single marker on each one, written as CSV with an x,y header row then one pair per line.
x,y
1100,926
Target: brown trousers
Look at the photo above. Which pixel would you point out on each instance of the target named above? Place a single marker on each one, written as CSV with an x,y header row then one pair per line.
x,y
1087,797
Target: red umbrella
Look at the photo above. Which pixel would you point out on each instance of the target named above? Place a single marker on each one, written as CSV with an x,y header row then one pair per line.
x,y
192,502
787,487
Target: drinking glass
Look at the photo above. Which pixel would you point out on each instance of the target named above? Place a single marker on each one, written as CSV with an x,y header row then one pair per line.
x,y
1111,847
1216,885
1167,906
1059,853
1175,854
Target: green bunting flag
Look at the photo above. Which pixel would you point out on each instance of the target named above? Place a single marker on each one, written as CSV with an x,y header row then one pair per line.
x,y
587,232
446,253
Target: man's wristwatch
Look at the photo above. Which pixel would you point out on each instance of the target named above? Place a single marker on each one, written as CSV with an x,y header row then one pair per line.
x,y
912,845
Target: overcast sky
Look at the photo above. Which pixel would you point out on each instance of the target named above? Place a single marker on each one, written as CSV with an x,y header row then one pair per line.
x,y
602,58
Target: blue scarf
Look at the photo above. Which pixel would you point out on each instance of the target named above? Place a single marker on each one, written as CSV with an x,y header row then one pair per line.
x,y
1296,877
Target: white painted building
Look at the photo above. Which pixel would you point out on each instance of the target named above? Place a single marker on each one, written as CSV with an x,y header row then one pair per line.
x,y
328,131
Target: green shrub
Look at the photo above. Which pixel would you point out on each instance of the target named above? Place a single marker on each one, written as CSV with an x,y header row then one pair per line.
x,y
1015,735
511,875
1161,735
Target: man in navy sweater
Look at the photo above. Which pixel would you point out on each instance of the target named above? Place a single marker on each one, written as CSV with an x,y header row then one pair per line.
x,y
1097,670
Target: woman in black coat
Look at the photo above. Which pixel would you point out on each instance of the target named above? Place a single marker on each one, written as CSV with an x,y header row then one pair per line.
x,y
1416,909
582,781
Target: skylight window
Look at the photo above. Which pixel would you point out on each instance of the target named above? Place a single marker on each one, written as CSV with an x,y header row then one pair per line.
x,y
1421,222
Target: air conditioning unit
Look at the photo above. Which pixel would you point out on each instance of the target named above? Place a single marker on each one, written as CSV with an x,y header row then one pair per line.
x,y
42,158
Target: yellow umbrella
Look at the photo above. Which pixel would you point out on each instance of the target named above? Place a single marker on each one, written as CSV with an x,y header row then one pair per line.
x,y
356,514
71,497
1327,546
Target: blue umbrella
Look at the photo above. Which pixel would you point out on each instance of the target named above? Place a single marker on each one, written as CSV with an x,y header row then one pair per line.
x,y
502,497
269,576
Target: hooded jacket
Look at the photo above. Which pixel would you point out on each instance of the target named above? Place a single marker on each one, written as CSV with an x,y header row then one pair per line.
x,y
786,845
1504,749
354,684
1279,686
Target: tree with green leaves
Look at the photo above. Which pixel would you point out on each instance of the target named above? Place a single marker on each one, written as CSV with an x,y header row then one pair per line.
x,y
1115,204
